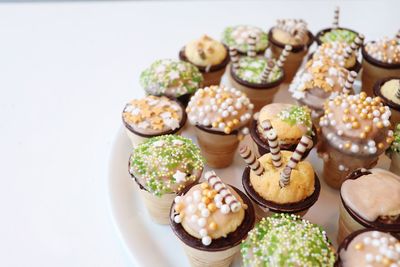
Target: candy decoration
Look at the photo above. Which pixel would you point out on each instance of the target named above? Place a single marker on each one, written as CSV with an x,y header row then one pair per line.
x,y
283,56
251,41
233,54
398,37
267,70
354,46
348,85
301,148
300,33
251,160
273,143
398,93
336,18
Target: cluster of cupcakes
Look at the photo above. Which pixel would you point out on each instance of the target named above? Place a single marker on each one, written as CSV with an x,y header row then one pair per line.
x,y
213,220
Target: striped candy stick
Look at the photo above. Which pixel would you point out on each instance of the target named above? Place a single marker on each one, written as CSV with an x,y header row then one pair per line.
x,y
300,34
266,72
283,56
251,160
251,41
301,148
273,143
398,37
348,85
233,54
336,18
354,46
398,93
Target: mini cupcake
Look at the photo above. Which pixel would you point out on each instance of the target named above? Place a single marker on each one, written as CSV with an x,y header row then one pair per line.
x,y
292,32
219,114
290,122
355,130
336,33
211,220
172,78
381,59
209,56
287,240
257,76
369,247
388,89
317,82
369,199
279,182
152,116
162,167
394,151
237,36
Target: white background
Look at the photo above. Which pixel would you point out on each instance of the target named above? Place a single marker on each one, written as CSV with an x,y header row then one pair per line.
x,y
66,71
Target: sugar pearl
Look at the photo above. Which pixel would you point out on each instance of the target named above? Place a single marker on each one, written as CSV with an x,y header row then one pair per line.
x,y
203,232
206,240
177,219
205,213
225,209
191,208
201,222
369,257
178,199
194,218
201,205
188,199
197,195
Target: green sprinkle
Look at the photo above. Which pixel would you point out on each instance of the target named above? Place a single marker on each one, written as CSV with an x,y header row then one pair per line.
x,y
339,35
251,68
287,241
240,43
157,160
300,115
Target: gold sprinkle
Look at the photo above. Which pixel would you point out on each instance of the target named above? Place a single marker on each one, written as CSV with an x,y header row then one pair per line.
x,y
347,145
389,140
379,124
204,185
205,200
212,226
359,246
211,193
363,135
211,207
356,125
205,192
227,130
381,146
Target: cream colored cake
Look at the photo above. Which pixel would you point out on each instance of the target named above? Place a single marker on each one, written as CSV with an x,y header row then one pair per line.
x,y
205,52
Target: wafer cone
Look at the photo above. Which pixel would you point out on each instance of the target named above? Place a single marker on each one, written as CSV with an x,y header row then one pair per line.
x,y
158,207
292,63
395,163
212,77
347,224
372,73
201,258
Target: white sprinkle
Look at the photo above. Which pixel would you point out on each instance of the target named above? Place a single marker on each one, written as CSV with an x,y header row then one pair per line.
x,y
177,219
203,232
205,213
206,240
201,222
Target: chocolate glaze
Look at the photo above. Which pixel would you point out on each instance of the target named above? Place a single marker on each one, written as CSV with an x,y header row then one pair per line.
x,y
295,48
377,92
381,224
210,130
184,99
275,207
182,56
323,31
181,124
356,67
221,243
262,143
257,86
346,242
376,62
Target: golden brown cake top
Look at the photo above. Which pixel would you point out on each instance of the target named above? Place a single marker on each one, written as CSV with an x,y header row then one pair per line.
x,y
205,52
291,31
386,50
390,90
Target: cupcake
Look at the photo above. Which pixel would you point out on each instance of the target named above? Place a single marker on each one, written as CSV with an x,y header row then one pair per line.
x,y
317,82
287,240
381,59
279,182
172,78
336,33
369,247
257,76
237,36
211,219
152,116
394,151
209,56
219,115
162,167
388,89
292,32
354,132
369,199
290,122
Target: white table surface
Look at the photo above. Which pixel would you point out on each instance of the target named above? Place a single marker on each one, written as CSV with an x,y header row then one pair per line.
x,y
66,70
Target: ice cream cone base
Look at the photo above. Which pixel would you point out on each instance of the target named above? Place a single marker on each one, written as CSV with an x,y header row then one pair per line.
x,y
292,63
347,224
395,163
212,77
372,73
158,207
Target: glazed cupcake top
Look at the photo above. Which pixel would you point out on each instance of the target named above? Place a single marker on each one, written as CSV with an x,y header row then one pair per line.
x,y
291,31
237,36
205,52
267,185
171,78
209,210
166,164
290,122
395,146
390,91
340,35
284,240
373,204
386,50
372,248
153,115
357,124
335,52
251,69
220,108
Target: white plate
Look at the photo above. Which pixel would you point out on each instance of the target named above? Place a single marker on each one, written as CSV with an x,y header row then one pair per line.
x,y
150,244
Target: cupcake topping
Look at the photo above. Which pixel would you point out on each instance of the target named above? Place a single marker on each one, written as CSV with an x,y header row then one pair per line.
x,y
209,210
166,164
205,52
376,203
153,114
357,124
385,50
220,108
287,241
372,248
291,31
171,77
335,52
390,90
238,37
251,70
395,146
340,35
